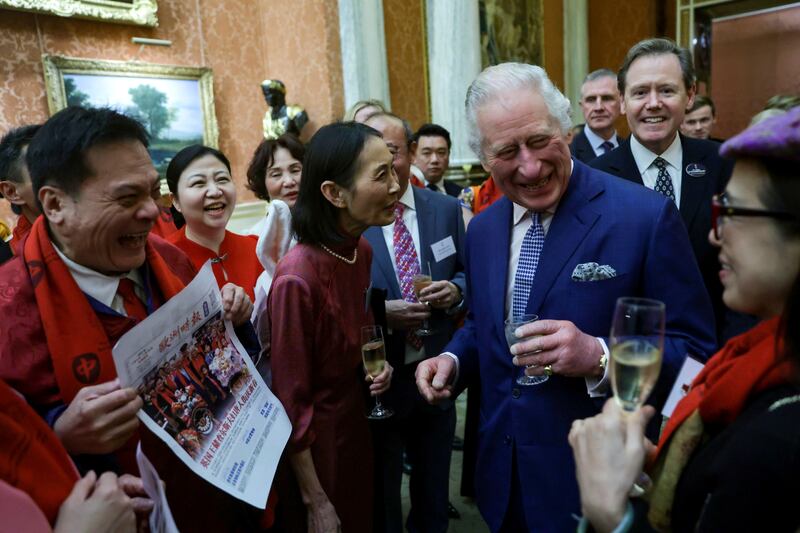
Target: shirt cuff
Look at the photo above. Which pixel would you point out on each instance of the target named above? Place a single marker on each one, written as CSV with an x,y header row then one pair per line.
x,y
623,527
597,387
458,366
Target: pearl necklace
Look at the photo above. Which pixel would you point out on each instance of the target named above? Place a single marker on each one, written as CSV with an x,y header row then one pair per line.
x,y
337,256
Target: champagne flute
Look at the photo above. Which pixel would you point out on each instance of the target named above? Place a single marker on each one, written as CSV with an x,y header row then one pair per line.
x,y
511,325
421,281
637,344
373,354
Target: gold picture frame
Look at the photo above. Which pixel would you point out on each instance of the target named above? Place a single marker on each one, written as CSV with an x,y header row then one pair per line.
x,y
175,103
138,12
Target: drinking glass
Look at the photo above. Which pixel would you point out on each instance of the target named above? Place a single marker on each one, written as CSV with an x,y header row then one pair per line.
x,y
637,344
511,325
373,354
421,281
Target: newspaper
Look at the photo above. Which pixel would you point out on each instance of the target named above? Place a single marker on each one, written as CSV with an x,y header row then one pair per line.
x,y
202,394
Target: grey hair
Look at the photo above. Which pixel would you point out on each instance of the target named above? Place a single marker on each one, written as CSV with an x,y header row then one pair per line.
x,y
600,73
497,79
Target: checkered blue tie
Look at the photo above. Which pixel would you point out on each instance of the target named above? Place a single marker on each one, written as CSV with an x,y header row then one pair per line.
x,y
532,246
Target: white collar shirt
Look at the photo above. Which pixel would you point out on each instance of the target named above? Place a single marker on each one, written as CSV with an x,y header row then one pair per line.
x,y
101,287
410,220
595,141
439,186
645,162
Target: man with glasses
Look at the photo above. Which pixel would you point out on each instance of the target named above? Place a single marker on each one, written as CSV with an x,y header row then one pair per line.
x,y
658,85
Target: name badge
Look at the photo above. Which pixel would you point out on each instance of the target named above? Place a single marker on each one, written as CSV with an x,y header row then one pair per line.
x,y
696,170
443,249
691,367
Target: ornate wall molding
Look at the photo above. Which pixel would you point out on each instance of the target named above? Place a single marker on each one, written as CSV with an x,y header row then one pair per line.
x,y
138,12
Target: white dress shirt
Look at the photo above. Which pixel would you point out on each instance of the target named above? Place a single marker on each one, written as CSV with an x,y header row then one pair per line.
x,y
101,287
595,140
645,162
410,220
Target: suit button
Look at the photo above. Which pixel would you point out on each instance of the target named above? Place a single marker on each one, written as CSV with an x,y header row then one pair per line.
x,y
507,440
515,393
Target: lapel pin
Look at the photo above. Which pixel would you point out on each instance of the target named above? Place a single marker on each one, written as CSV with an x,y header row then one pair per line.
x,y
696,170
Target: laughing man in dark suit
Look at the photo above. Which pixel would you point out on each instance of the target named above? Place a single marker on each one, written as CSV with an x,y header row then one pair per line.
x,y
658,85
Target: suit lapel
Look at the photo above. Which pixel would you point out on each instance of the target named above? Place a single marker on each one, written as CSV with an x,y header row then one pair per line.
x,y
380,256
693,189
571,224
625,164
426,225
497,245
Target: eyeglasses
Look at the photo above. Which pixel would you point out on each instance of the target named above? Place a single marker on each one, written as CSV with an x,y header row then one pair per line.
x,y
720,209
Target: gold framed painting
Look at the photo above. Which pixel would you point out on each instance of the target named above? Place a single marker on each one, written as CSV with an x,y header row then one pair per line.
x,y
138,12
175,103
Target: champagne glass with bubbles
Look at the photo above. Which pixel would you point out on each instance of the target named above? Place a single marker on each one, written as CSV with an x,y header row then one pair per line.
x,y
374,355
421,281
637,345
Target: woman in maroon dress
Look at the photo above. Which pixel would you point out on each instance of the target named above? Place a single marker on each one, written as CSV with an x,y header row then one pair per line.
x,y
317,306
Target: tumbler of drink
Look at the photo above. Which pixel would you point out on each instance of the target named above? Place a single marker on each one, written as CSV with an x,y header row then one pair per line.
x,y
511,325
637,344
421,281
373,354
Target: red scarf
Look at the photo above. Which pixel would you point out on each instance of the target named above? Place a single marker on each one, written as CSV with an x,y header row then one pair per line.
x,y
22,229
746,365
32,458
78,345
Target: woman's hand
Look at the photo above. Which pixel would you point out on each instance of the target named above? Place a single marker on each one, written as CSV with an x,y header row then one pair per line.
x,y
96,505
236,304
322,517
382,381
609,454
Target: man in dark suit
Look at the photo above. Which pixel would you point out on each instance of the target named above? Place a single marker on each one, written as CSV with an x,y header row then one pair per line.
x,y
430,147
657,82
564,243
600,103
426,238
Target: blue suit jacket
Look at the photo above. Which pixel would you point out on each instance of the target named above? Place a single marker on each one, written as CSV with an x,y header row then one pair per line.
x,y
438,217
599,219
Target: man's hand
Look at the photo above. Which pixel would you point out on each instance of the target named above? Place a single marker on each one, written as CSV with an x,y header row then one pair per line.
x,y
98,505
100,419
434,377
441,294
560,344
133,487
405,315
236,304
381,382
609,452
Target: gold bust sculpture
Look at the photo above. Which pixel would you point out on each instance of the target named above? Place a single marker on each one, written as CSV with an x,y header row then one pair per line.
x,y
281,118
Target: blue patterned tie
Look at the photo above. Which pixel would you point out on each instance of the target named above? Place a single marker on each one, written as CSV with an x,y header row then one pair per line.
x,y
607,146
664,181
532,246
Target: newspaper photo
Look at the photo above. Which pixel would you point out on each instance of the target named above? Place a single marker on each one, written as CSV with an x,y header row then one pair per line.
x,y
202,394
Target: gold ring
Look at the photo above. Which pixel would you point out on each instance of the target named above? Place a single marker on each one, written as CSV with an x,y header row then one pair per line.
x,y
548,370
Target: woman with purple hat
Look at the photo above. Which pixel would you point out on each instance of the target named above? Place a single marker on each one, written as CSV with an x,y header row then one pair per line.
x,y
729,456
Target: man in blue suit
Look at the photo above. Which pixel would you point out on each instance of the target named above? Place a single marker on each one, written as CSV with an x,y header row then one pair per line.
x,y
428,233
564,243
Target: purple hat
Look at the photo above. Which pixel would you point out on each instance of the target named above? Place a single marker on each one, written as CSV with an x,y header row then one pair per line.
x,y
777,137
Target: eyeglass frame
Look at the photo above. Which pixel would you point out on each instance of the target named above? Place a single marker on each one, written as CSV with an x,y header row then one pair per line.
x,y
719,210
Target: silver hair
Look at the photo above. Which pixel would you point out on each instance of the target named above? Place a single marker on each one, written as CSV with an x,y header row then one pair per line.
x,y
497,79
600,73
